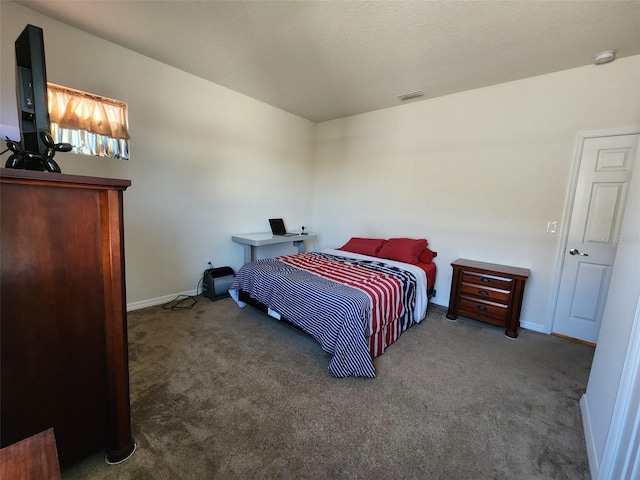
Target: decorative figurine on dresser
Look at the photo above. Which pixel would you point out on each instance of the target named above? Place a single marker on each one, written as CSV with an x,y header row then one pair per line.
x,y
488,292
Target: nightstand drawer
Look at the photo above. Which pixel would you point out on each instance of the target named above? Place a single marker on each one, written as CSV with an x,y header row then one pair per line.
x,y
487,312
484,293
487,280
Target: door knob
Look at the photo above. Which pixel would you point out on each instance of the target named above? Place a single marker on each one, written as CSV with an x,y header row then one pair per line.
x,y
575,251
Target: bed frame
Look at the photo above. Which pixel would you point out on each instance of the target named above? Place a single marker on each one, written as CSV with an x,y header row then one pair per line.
x,y
249,300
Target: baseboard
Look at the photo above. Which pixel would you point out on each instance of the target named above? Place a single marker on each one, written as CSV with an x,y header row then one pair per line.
x,y
594,468
152,302
577,340
532,326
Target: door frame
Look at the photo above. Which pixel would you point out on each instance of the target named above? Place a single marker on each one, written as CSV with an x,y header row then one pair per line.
x,y
568,209
623,440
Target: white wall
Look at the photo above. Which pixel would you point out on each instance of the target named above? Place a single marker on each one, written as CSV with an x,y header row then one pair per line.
x,y
206,162
624,293
479,174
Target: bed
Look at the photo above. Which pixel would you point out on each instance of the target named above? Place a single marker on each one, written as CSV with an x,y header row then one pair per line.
x,y
355,301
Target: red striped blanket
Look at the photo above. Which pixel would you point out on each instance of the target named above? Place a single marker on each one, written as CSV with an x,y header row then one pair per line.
x,y
353,307
384,290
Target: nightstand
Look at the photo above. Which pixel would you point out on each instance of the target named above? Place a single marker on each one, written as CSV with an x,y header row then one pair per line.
x,y
488,292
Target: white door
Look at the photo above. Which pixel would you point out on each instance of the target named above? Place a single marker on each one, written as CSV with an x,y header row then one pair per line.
x,y
593,237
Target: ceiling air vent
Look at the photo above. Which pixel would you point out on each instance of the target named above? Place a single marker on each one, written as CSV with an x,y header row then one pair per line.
x,y
407,96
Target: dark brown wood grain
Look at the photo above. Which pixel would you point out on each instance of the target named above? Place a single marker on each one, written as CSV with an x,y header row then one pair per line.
x,y
488,292
63,342
32,458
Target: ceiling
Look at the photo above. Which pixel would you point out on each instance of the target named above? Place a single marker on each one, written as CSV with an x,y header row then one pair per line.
x,y
329,59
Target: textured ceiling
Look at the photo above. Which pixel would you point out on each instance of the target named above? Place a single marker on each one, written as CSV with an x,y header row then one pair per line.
x,y
329,59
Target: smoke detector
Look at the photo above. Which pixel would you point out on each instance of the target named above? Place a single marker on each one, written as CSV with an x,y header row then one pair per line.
x,y
407,96
604,57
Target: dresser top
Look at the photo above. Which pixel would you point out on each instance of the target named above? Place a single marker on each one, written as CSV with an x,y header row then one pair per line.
x,y
493,267
21,175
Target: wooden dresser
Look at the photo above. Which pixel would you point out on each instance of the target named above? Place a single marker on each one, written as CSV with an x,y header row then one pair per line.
x,y
488,292
63,334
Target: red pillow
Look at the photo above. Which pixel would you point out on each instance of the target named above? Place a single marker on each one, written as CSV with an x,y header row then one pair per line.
x,y
363,246
405,250
427,256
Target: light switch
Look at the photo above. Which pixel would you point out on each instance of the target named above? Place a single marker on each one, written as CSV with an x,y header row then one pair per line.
x,y
552,227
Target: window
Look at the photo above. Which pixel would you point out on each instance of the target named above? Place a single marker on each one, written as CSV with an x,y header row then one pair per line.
x,y
94,125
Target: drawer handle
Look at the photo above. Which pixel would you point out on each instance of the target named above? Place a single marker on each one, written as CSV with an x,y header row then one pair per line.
x,y
485,280
481,307
483,292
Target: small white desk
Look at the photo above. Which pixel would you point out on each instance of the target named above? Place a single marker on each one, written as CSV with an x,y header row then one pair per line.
x,y
253,240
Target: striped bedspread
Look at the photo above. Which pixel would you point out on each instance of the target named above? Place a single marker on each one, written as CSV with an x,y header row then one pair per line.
x,y
339,300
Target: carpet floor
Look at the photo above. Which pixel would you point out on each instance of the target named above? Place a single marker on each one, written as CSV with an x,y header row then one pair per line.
x,y
219,392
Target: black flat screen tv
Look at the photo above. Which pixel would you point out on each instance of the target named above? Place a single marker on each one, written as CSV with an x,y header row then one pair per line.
x,y
31,77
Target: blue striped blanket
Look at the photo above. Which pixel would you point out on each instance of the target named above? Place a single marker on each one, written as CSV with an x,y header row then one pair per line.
x,y
339,301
